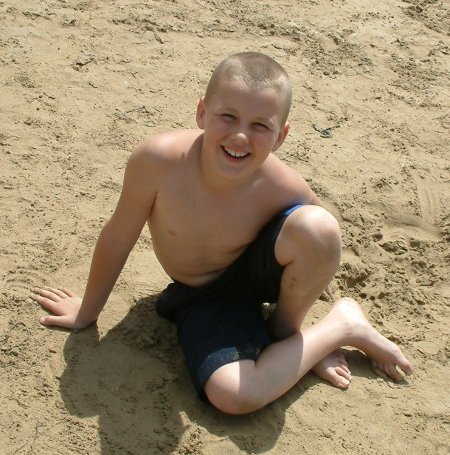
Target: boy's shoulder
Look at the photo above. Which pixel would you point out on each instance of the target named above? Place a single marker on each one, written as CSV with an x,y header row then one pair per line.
x,y
280,173
168,145
159,153
286,184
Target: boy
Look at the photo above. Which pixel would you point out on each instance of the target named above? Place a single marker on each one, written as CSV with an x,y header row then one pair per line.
x,y
233,227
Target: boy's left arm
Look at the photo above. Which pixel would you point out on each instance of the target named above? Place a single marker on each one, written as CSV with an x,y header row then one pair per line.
x,y
299,188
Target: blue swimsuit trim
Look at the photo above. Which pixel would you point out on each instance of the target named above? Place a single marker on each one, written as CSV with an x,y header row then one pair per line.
x,y
291,209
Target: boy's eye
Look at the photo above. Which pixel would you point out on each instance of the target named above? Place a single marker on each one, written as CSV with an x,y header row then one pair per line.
x,y
228,116
261,126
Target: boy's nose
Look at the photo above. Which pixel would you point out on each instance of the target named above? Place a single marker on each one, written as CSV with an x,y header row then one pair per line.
x,y
241,137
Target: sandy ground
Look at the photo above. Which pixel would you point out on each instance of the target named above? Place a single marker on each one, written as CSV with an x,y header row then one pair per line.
x,y
82,82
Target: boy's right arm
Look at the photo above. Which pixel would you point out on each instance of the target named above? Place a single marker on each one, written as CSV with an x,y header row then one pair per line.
x,y
115,242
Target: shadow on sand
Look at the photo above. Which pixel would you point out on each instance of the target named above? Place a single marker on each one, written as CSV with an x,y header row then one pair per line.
x,y
135,380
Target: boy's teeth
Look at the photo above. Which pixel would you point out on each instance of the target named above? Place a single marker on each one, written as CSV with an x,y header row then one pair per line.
x,y
235,154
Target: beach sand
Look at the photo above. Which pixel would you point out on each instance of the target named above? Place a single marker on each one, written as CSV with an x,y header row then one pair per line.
x,y
83,82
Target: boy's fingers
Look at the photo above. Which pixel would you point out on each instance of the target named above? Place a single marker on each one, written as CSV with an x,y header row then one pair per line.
x,y
48,304
53,320
68,292
48,292
57,292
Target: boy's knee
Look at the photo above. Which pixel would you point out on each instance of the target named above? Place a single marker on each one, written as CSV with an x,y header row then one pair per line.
x,y
310,230
227,392
234,404
314,222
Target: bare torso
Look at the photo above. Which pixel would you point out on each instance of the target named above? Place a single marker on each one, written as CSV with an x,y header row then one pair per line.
x,y
197,232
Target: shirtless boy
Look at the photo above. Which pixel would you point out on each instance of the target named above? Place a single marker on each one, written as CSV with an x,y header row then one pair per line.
x,y
234,227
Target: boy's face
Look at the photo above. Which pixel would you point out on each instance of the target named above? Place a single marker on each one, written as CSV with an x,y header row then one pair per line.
x,y
242,126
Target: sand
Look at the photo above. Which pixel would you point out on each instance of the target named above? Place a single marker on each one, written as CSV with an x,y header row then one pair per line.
x,y
83,82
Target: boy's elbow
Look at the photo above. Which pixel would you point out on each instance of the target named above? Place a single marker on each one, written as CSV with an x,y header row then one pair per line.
x,y
115,243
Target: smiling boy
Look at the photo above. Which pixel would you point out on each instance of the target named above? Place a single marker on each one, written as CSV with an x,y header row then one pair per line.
x,y
233,226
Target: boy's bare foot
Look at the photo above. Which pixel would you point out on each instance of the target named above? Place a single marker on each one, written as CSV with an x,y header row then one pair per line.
x,y
334,369
386,356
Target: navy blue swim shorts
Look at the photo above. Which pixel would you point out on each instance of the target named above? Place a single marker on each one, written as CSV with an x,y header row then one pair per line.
x,y
222,322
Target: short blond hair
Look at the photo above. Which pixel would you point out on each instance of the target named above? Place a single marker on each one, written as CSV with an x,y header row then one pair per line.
x,y
256,70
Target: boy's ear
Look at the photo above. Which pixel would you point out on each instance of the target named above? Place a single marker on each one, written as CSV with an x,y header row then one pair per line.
x,y
200,117
281,137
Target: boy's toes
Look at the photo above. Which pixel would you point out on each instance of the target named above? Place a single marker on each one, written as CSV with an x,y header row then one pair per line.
x,y
392,371
341,382
344,383
377,368
344,373
387,371
339,377
406,366
344,367
401,361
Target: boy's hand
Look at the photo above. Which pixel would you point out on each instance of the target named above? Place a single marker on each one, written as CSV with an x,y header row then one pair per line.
x,y
64,305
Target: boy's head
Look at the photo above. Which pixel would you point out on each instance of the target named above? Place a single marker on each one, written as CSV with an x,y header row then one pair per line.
x,y
257,71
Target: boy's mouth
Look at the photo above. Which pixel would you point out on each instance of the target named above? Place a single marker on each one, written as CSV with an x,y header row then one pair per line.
x,y
234,154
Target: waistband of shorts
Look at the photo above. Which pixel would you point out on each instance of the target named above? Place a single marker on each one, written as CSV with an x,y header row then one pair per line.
x,y
289,210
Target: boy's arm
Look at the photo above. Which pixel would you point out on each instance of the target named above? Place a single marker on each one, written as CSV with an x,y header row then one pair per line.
x,y
115,242
291,187
313,199
299,189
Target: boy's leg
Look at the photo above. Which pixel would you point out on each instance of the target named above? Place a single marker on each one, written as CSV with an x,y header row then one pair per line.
x,y
308,246
245,386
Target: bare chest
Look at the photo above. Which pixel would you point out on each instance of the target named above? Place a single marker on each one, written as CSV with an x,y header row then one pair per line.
x,y
206,225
